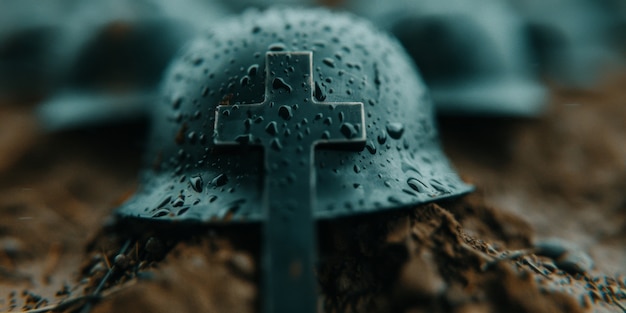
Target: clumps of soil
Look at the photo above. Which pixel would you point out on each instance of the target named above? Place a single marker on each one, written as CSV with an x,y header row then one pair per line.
x,y
423,259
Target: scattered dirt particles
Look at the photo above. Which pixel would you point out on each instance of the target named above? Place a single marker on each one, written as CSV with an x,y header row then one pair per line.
x,y
544,232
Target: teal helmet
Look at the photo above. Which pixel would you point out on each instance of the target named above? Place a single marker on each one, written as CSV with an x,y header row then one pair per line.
x,y
284,117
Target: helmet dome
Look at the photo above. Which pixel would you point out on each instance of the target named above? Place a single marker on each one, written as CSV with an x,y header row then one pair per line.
x,y
330,77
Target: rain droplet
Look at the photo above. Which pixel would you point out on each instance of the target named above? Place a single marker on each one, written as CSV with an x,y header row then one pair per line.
x,y
252,70
439,186
382,137
182,211
417,185
279,83
341,116
326,135
164,202
285,112
271,128
160,213
348,130
370,147
328,120
394,200
244,139
278,46
219,180
356,169
196,183
180,201
276,145
176,103
395,130
330,62
244,81
319,96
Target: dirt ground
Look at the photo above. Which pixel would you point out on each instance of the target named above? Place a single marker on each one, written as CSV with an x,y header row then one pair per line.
x,y
559,176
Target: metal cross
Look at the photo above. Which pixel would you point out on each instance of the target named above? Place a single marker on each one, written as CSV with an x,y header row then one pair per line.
x,y
289,124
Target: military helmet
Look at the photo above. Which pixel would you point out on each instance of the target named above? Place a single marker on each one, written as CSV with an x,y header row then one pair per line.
x,y
472,54
114,72
29,32
191,175
571,39
287,116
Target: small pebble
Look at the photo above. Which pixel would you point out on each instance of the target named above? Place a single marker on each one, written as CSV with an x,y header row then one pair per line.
x,y
121,261
242,264
154,246
12,247
566,255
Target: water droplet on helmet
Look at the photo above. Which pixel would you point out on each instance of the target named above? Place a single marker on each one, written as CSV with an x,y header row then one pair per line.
x,y
271,128
319,96
182,211
382,137
326,135
219,180
180,201
253,69
244,81
417,185
439,186
164,202
196,183
276,145
394,200
279,83
328,120
278,46
285,112
356,169
330,62
370,147
161,213
244,139
349,130
395,130
177,102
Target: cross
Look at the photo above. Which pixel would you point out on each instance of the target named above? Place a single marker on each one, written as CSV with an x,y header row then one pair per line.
x,y
288,125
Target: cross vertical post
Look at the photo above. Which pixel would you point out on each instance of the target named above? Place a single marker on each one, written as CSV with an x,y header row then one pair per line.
x,y
289,124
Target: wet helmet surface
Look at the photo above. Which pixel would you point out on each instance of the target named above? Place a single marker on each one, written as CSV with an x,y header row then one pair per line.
x,y
286,116
351,87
